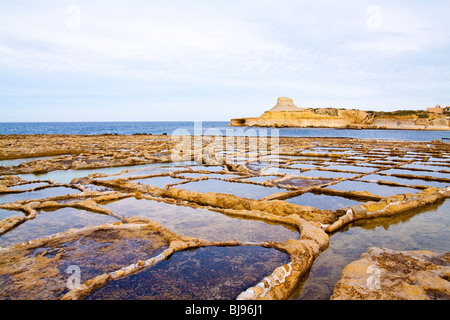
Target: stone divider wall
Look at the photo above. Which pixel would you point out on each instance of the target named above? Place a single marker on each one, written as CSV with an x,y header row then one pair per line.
x,y
389,206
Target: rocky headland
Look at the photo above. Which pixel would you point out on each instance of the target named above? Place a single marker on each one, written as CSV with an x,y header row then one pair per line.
x,y
286,114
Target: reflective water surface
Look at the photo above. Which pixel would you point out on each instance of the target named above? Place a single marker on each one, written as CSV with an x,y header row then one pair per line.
x,y
202,223
52,222
427,229
210,273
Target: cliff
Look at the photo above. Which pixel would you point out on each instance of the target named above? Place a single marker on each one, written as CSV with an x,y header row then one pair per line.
x,y
286,114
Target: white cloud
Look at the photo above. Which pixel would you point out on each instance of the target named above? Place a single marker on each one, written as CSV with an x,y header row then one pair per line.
x,y
317,51
406,28
165,39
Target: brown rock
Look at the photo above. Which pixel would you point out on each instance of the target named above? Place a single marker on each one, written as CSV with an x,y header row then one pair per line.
x,y
385,274
359,212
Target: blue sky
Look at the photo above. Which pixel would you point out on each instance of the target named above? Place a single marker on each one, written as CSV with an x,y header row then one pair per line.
x,y
215,60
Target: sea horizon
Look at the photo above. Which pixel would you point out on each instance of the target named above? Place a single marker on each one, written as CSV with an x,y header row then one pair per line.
x,y
207,128
88,121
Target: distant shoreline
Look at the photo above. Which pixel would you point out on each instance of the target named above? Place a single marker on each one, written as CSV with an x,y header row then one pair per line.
x,y
343,128
220,127
286,114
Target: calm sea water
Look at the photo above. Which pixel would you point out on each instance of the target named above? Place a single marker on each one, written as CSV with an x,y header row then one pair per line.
x,y
207,127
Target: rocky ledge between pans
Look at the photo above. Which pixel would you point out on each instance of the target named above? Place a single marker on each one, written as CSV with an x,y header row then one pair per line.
x,y
385,274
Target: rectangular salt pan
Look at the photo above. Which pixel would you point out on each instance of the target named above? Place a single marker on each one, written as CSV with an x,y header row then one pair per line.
x,y
244,190
374,188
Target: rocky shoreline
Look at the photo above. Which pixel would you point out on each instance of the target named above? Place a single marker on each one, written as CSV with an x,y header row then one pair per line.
x,y
278,174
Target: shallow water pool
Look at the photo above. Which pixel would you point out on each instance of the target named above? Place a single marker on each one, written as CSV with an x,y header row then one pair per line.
x,y
425,229
52,222
244,190
29,186
360,169
372,187
50,266
9,213
194,175
405,181
322,201
260,178
202,223
326,174
210,273
16,162
65,176
159,182
418,173
301,166
39,194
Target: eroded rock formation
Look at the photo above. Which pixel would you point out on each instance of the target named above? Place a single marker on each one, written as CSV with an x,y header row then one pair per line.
x,y
287,114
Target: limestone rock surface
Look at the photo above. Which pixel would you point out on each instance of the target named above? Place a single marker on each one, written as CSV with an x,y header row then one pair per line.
x,y
285,104
384,274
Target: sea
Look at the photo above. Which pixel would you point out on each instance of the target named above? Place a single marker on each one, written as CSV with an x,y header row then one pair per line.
x,y
210,128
